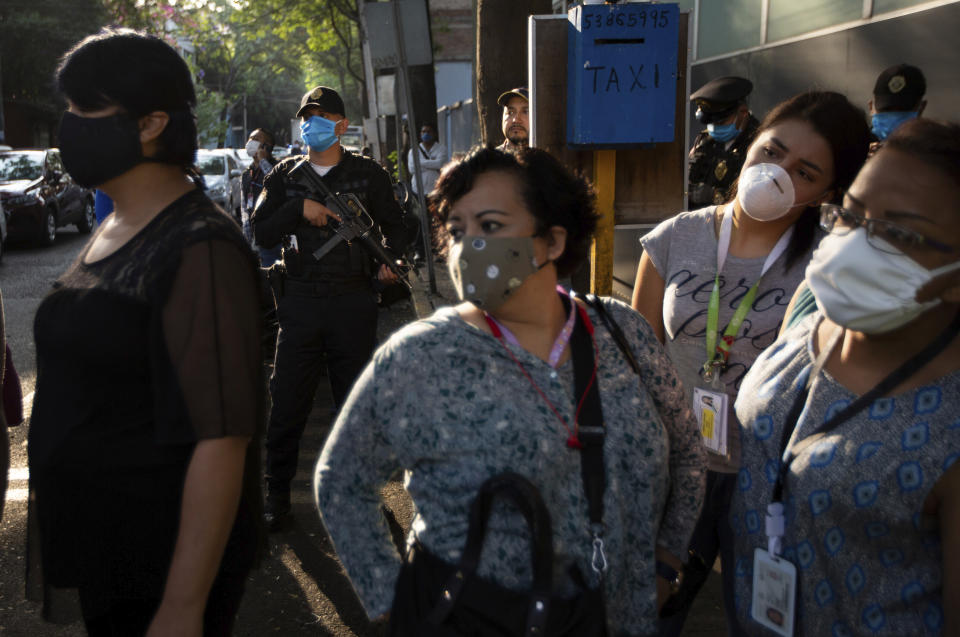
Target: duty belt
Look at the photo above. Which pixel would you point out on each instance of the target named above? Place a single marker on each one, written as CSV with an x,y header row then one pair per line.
x,y
293,287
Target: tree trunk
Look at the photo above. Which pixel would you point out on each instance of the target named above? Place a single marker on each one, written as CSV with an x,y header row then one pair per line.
x,y
501,56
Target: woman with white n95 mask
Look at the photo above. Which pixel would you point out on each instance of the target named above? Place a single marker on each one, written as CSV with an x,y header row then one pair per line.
x,y
714,284
850,419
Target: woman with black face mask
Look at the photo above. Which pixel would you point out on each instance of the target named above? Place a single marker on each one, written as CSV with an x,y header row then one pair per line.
x,y
148,364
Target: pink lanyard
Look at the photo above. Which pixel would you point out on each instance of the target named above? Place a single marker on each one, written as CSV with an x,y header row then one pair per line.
x,y
563,338
573,441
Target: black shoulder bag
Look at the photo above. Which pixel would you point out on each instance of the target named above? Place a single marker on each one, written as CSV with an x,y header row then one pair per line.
x,y
434,598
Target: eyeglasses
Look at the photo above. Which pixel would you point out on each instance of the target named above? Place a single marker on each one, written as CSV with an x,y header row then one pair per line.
x,y
881,234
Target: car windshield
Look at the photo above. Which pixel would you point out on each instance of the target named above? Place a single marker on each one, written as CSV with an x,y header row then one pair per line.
x,y
211,165
15,166
351,139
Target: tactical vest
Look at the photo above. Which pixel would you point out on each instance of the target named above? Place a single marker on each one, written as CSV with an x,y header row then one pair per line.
x,y
346,266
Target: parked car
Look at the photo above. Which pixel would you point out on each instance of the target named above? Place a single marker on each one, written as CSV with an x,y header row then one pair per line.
x,y
280,152
39,196
240,154
3,231
352,139
221,174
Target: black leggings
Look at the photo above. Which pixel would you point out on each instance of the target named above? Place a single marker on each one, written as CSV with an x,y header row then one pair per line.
x,y
132,617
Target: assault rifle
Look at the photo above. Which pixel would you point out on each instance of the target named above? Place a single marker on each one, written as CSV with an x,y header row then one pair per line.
x,y
355,224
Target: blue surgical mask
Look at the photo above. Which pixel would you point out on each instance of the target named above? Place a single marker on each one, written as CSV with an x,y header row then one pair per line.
x,y
426,138
882,124
723,132
317,133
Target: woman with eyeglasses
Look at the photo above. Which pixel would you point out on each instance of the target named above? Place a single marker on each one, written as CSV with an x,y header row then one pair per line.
x,y
848,501
714,284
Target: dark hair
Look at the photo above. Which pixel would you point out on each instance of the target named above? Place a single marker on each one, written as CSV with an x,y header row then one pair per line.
x,y
269,136
935,143
552,194
139,73
844,127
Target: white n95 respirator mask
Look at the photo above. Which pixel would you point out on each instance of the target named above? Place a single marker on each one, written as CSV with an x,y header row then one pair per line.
x,y
765,192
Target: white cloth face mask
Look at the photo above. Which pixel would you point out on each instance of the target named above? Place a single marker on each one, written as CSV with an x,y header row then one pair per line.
x,y
765,192
252,147
867,290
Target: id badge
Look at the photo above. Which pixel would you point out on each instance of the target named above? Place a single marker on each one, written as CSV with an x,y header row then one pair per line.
x,y
710,408
774,592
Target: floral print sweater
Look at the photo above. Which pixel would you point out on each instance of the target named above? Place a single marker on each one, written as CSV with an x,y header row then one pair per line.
x,y
445,402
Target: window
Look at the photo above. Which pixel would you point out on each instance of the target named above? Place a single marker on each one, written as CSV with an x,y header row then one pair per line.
x,y
727,26
54,159
882,6
15,166
210,164
793,17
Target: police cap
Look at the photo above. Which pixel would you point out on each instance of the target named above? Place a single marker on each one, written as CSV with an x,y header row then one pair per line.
x,y
324,98
899,88
718,99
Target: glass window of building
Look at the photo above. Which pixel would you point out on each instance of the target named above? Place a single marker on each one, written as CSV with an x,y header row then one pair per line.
x,y
730,25
882,6
793,17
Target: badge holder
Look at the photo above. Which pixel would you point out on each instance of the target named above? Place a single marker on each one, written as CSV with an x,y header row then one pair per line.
x,y
774,579
711,405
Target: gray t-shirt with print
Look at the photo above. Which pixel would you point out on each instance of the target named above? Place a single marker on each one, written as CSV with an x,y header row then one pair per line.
x,y
683,249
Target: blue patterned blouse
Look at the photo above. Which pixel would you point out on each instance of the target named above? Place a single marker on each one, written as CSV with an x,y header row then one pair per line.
x,y
868,562
444,401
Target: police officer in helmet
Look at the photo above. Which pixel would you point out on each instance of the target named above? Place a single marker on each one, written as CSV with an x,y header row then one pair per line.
x,y
719,150
326,306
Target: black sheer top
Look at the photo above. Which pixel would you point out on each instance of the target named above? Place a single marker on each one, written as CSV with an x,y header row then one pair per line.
x,y
139,356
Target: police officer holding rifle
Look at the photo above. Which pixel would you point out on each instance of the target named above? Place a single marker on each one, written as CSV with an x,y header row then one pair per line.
x,y
325,298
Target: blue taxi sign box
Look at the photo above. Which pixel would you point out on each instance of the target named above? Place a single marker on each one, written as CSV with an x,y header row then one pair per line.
x,y
621,74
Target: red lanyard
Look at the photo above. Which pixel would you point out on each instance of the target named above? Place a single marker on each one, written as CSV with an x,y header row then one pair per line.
x,y
573,441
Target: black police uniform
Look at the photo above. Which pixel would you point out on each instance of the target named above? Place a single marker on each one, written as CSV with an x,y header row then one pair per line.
x,y
326,306
714,167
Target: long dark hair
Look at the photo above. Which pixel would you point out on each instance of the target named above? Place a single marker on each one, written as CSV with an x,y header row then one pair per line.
x,y
139,73
844,127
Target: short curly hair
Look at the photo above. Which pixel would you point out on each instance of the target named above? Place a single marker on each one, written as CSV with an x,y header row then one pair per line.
x,y
554,195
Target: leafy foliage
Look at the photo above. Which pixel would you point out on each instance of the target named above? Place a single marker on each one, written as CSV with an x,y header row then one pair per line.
x,y
259,53
34,35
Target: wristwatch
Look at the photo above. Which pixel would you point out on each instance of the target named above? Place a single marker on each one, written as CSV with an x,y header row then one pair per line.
x,y
672,575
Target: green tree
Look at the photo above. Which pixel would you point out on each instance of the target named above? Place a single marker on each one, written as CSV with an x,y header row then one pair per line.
x,y
34,35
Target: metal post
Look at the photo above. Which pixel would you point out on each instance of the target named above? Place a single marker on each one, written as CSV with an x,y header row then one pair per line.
x,y
246,131
402,68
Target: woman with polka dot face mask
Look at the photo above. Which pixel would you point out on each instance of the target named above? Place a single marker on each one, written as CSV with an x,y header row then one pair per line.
x,y
493,385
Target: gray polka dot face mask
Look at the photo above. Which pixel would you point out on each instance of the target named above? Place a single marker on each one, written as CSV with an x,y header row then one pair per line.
x,y
487,270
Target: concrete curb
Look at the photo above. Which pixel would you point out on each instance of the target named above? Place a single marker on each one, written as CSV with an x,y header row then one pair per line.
x,y
426,302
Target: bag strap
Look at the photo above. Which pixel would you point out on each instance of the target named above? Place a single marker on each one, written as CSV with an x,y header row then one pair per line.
x,y
894,378
591,431
615,330
522,493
